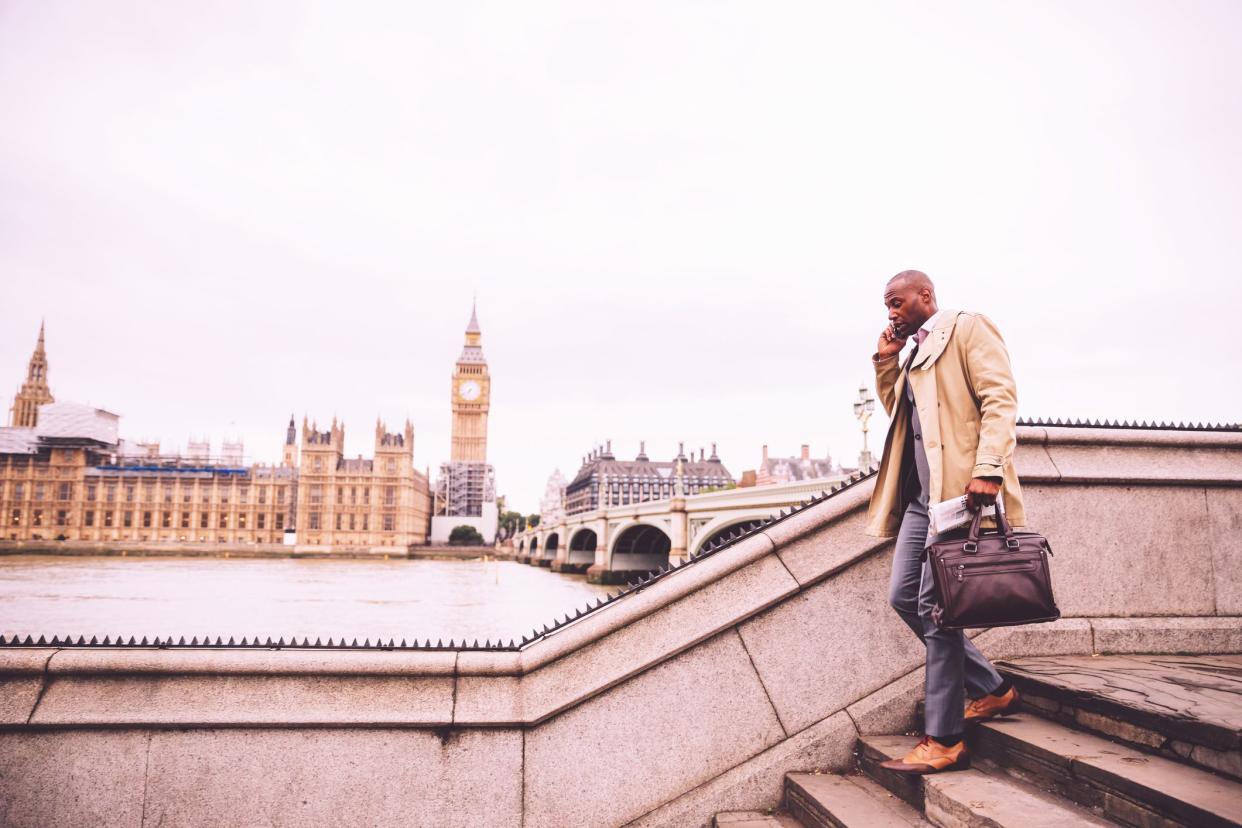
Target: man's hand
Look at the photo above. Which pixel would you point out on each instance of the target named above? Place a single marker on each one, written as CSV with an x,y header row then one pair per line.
x,y
980,492
890,344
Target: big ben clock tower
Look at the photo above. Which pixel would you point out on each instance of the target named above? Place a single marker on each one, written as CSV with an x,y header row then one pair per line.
x,y
471,396
466,488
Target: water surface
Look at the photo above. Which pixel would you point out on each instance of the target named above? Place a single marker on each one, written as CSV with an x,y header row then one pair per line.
x,y
287,597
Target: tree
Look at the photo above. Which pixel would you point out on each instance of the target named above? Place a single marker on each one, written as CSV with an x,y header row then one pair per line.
x,y
510,524
533,521
465,536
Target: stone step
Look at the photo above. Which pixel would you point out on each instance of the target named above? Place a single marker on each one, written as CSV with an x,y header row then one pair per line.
x,y
755,819
1131,786
829,800
1183,707
975,798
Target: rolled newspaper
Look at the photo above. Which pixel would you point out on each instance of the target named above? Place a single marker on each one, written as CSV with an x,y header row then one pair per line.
x,y
950,514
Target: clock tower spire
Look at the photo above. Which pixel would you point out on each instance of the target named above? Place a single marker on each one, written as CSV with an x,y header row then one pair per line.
x,y
471,397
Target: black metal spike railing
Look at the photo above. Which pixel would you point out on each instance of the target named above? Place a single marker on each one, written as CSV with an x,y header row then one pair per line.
x,y
1126,424
643,582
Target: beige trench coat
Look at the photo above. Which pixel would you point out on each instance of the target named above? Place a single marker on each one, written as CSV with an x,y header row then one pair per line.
x,y
968,407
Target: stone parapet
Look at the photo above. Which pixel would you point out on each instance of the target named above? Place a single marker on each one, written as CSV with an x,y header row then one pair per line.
x,y
687,696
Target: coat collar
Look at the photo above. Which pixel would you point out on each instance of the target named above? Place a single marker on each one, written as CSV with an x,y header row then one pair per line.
x,y
936,341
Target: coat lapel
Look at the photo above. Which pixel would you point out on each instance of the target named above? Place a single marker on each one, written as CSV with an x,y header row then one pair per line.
x,y
933,346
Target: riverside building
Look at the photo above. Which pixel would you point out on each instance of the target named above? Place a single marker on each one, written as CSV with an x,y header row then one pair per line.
x,y
604,480
65,475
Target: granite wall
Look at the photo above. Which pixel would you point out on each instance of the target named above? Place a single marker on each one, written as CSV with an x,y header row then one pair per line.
x,y
691,696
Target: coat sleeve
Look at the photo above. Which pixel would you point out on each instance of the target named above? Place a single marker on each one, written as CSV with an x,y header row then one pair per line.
x,y
886,373
991,379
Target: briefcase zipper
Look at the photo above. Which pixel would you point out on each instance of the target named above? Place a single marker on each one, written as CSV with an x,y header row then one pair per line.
x,y
959,571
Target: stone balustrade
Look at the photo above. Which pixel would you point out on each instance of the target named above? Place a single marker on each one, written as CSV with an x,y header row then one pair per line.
x,y
685,698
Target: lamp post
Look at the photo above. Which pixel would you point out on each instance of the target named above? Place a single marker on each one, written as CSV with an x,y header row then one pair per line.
x,y
863,407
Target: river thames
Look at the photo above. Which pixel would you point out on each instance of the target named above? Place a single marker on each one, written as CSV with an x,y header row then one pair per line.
x,y
287,597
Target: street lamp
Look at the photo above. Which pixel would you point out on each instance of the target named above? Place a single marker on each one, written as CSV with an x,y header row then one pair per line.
x,y
863,407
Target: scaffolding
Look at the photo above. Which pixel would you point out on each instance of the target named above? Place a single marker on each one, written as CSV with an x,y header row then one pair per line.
x,y
463,488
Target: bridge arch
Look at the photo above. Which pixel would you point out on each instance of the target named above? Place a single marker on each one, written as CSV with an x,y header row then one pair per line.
x,y
722,527
534,546
582,545
550,544
640,547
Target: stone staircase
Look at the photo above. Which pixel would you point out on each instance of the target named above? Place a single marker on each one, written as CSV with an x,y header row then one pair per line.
x,y
1145,741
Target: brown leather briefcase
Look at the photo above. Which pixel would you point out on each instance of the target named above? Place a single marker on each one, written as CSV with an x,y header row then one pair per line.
x,y
992,578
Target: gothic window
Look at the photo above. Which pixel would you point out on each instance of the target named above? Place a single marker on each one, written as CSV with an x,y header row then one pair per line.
x,y
166,520
38,491
37,518
91,491
88,518
146,520
280,521
338,521
261,522
314,520
108,518
388,523
390,495
16,518
224,521
185,520
62,517
241,521
203,517
128,519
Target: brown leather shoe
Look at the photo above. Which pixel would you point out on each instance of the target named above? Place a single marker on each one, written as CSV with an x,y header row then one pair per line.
x,y
929,756
990,707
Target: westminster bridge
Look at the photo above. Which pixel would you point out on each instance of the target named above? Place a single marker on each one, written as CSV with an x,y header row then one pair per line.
x,y
615,543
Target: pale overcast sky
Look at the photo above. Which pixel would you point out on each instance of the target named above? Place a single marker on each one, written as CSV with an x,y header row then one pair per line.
x,y
678,216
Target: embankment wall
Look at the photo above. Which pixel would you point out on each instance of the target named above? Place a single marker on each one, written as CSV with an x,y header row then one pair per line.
x,y
685,698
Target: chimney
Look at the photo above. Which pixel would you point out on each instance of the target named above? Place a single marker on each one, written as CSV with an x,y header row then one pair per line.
x,y
765,452
806,452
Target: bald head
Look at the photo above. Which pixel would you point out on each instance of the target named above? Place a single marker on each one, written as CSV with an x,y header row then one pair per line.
x,y
910,298
916,279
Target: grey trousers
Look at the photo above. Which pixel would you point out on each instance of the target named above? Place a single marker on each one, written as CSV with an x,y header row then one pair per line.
x,y
954,665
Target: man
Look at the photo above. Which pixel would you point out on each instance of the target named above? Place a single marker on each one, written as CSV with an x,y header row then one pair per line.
x,y
954,415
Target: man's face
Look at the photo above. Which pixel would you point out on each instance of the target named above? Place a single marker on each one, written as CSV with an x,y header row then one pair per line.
x,y
908,307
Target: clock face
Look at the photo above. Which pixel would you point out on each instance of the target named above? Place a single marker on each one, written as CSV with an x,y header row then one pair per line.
x,y
469,390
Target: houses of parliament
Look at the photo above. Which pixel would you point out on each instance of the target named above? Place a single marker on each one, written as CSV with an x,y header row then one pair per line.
x,y
66,475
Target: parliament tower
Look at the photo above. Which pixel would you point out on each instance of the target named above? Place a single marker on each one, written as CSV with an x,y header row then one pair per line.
x,y
466,489
34,391
471,396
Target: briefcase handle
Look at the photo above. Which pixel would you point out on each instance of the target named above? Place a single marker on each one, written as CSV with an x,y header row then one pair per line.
x,y
971,546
